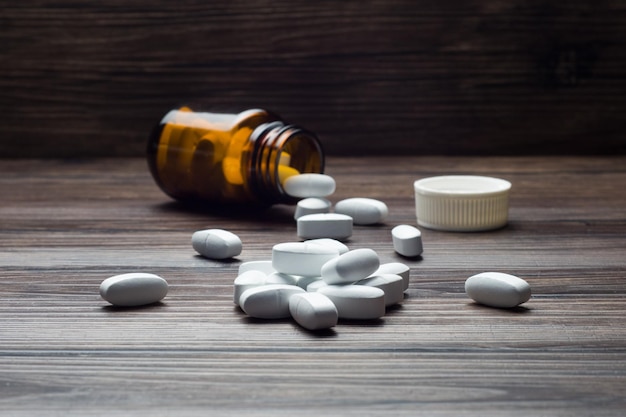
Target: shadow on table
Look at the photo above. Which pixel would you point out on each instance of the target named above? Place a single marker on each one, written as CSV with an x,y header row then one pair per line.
x,y
115,309
514,310
278,214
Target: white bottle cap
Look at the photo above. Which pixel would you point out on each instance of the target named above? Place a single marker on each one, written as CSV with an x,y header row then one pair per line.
x,y
462,203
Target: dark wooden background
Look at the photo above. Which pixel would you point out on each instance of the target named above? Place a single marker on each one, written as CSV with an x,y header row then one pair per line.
x,y
381,76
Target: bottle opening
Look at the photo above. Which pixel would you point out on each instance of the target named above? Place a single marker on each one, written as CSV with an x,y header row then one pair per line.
x,y
281,151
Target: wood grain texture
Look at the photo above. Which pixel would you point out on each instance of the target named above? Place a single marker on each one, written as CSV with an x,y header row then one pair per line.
x,y
65,225
376,77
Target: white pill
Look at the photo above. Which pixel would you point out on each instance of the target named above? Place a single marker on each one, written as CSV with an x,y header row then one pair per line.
x,y
263,266
350,267
311,205
313,311
216,243
324,225
407,240
396,268
356,301
363,210
133,289
333,243
391,284
246,280
304,282
309,185
301,258
316,285
497,289
268,301
280,278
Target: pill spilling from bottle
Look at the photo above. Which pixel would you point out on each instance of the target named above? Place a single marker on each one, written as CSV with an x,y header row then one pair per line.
x,y
309,185
319,280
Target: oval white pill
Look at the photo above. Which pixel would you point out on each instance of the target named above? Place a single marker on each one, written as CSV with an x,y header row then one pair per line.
x,y
407,240
280,278
263,266
309,185
268,301
356,301
304,282
133,289
333,243
324,225
246,280
216,243
363,210
311,205
396,268
350,267
316,285
313,311
497,289
391,284
301,258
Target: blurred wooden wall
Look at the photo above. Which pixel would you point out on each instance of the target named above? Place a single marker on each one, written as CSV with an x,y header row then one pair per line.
x,y
417,77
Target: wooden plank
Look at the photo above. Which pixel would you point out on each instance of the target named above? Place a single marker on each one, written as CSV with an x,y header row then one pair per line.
x,y
67,225
395,77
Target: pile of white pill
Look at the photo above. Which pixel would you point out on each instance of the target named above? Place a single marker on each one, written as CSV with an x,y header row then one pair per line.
x,y
319,280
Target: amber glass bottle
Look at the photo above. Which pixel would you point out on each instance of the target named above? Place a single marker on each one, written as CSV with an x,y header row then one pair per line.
x,y
230,158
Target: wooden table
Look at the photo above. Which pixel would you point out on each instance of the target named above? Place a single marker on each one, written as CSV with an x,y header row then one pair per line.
x,y
67,225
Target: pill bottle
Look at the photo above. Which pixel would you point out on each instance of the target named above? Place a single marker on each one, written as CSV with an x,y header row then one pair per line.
x,y
230,158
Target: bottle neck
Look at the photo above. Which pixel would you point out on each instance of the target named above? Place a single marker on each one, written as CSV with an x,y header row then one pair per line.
x,y
280,150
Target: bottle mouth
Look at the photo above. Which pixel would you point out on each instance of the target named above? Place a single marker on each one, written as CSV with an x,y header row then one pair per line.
x,y
279,151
